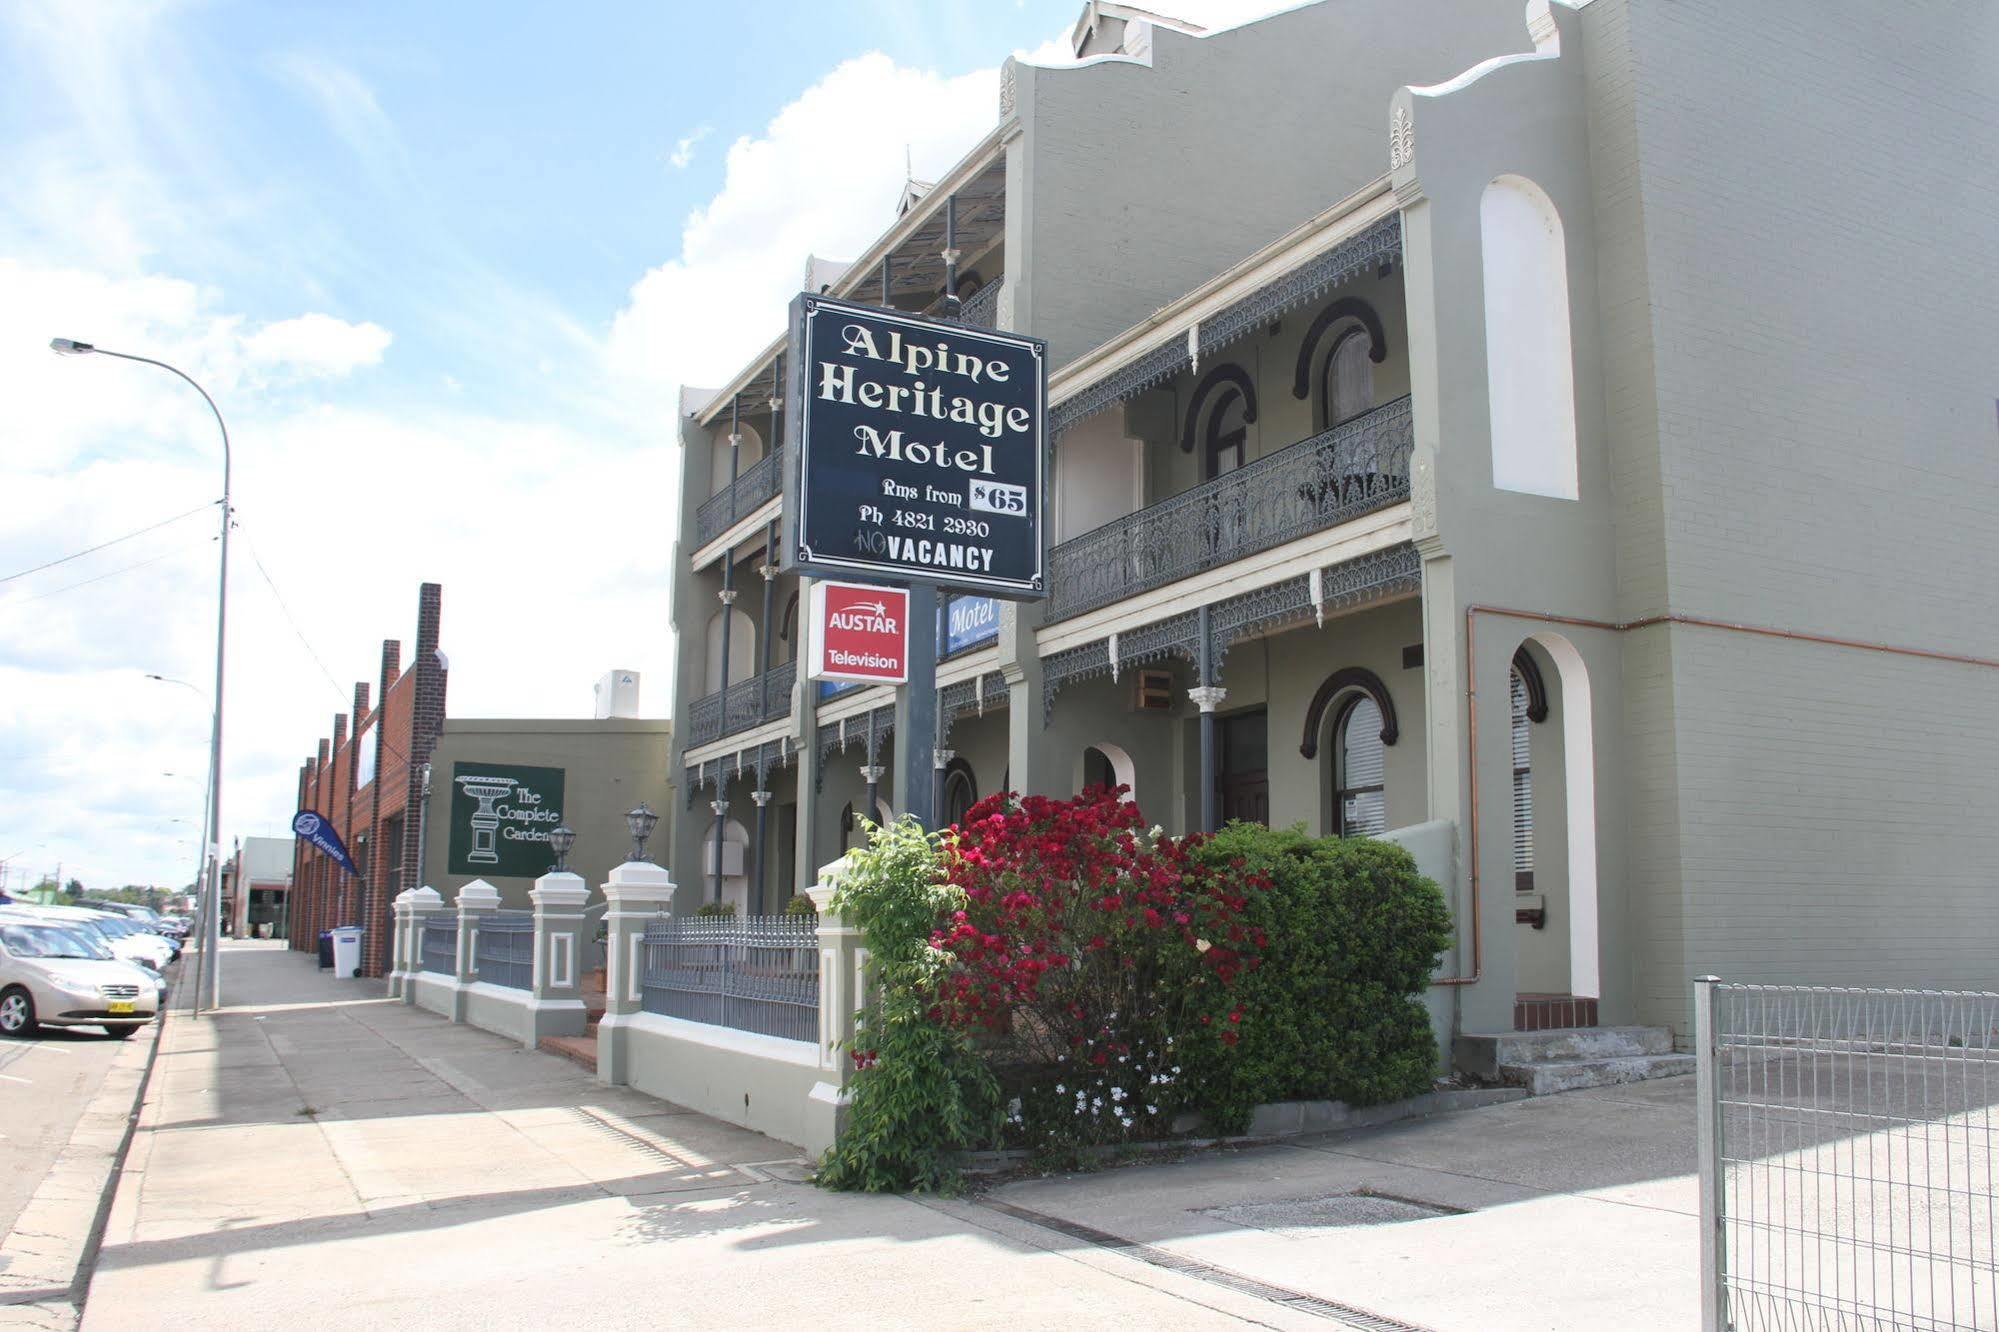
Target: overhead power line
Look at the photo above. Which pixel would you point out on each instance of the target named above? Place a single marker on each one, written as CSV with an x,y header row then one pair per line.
x,y
86,582
104,545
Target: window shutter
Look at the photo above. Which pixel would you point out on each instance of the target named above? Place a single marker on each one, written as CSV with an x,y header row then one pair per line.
x,y
1523,787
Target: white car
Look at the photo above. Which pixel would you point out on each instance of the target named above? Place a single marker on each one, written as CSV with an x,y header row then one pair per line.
x,y
125,940
52,974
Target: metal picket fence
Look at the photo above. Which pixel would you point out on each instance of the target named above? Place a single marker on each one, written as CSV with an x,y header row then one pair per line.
x,y
759,974
438,950
505,949
1849,1148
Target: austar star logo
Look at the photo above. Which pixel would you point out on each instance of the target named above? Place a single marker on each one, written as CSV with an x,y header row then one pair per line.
x,y
868,617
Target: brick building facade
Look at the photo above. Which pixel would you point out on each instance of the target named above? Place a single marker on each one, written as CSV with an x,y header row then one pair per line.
x,y
367,783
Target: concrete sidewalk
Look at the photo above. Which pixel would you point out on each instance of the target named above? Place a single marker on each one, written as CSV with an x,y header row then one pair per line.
x,y
317,1153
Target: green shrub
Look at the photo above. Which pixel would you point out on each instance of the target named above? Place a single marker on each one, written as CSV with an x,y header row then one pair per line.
x,y
800,905
1334,1011
716,909
920,1092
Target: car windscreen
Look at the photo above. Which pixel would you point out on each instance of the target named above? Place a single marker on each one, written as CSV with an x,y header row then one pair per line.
x,y
114,927
50,941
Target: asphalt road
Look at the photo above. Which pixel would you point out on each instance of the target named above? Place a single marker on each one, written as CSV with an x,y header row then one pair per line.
x,y
45,1083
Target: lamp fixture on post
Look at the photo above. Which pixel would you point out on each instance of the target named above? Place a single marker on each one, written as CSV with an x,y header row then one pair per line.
x,y
641,821
559,842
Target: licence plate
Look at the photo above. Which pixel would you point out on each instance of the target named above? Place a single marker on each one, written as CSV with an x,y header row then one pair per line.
x,y
117,1007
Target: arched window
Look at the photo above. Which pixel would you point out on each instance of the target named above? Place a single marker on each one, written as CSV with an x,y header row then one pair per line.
x,y
961,792
1225,445
1523,788
1360,801
1347,389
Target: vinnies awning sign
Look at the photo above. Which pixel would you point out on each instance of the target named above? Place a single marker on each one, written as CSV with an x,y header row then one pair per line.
x,y
858,632
920,450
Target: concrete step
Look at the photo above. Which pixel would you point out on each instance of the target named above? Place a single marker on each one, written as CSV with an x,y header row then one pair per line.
x,y
1482,1056
1545,1079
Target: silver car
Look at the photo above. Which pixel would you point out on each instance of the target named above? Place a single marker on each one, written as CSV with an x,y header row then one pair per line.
x,y
54,975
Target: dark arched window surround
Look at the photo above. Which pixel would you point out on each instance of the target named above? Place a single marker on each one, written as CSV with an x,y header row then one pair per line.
x,y
1537,689
1349,307
1233,376
1339,682
961,791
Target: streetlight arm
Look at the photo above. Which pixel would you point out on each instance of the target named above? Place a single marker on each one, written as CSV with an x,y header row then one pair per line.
x,y
220,423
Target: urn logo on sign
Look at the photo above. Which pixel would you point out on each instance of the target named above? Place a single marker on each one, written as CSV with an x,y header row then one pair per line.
x,y
859,633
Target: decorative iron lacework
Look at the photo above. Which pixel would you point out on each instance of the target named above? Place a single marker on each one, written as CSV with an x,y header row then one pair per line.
x,y
868,729
982,310
751,702
1354,582
1337,475
1176,636
739,499
973,695
1344,262
759,760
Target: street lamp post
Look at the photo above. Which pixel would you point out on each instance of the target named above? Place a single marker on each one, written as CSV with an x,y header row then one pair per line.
x,y
208,983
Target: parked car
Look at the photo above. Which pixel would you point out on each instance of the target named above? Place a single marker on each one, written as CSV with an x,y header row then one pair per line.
x,y
115,932
143,916
53,974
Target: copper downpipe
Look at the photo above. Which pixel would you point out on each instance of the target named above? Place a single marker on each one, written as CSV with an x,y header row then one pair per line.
x,y
1471,706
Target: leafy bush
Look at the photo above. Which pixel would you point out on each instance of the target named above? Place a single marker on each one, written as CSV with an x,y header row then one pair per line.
x,y
716,909
800,905
1091,958
920,1092
1334,1012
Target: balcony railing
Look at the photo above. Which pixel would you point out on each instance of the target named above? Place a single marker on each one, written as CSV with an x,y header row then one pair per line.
x,y
739,500
1325,480
982,310
750,702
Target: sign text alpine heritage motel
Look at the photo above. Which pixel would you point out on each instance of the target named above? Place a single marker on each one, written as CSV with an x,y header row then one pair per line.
x,y
921,450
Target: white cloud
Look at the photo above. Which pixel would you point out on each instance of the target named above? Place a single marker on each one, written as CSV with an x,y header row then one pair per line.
x,y
821,179
683,149
318,344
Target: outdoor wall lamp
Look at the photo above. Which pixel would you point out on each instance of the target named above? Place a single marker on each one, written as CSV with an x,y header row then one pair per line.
x,y
641,821
559,842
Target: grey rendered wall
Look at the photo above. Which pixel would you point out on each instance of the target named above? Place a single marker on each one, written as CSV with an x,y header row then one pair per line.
x,y
1820,242
1487,547
1147,181
609,767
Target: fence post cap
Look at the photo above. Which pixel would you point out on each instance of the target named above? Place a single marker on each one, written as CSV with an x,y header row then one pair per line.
x,y
478,895
425,898
1707,980
559,889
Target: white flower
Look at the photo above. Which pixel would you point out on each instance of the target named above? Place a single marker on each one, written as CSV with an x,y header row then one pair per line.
x,y
1117,1093
1097,1103
1058,1089
1151,1109
1176,1069
1124,1121
1202,945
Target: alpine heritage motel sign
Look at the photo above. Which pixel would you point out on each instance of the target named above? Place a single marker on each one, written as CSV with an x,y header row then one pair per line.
x,y
921,449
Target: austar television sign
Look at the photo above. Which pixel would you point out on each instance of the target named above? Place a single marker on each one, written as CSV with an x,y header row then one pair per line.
x,y
921,450
858,633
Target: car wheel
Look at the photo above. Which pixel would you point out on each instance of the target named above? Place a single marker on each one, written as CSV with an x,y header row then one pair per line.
x,y
17,1012
122,1033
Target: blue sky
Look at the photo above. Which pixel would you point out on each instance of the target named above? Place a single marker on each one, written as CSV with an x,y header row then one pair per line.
x,y
444,266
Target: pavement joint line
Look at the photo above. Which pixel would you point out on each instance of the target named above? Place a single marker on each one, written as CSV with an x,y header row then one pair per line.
x,y
1121,1272
1352,1316
1537,1190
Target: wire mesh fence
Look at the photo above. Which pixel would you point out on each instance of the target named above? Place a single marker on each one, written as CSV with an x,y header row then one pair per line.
x,y
759,974
1848,1158
438,949
504,951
